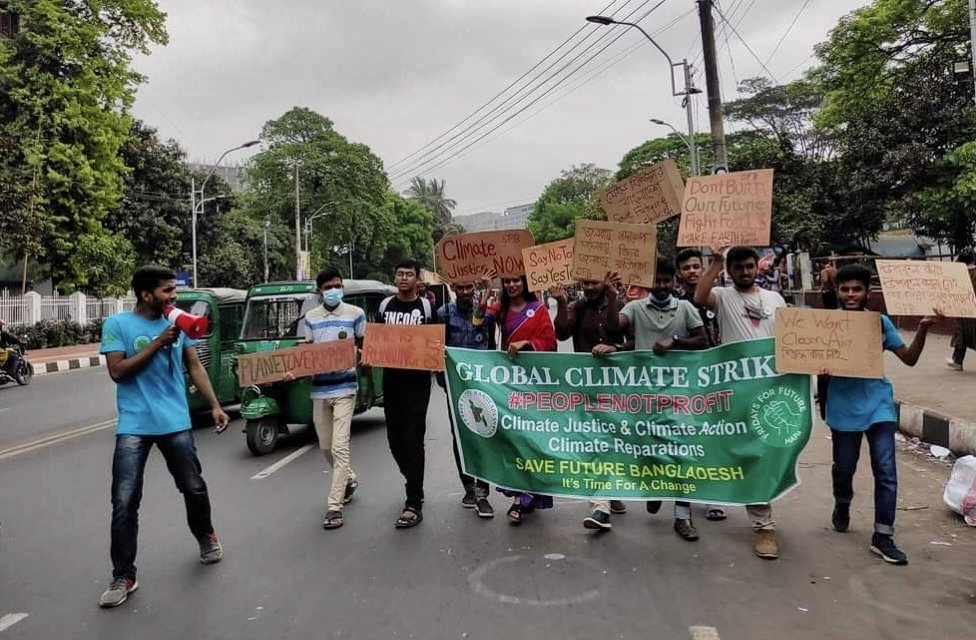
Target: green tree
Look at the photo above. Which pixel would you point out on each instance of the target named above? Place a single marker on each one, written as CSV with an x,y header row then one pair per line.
x,y
106,262
657,149
339,178
574,194
65,88
431,194
405,230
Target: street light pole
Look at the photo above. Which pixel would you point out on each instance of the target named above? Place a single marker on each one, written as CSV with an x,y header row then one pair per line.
x,y
688,142
267,223
195,209
298,227
689,91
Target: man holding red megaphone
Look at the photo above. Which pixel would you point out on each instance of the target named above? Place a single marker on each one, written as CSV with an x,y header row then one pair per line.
x,y
145,351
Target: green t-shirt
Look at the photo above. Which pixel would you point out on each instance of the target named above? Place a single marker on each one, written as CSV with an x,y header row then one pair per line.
x,y
650,324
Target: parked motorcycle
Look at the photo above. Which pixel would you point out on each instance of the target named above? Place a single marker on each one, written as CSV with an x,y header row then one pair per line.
x,y
24,372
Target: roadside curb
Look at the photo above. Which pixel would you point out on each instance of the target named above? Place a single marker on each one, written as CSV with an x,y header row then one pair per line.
x,y
936,428
71,364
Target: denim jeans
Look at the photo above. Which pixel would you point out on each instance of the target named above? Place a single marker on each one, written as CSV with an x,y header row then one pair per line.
x,y
881,445
128,465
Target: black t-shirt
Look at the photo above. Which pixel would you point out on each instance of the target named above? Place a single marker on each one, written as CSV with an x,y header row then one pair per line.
x,y
395,311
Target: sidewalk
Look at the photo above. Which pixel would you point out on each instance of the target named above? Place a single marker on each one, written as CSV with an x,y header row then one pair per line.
x,y
937,404
80,356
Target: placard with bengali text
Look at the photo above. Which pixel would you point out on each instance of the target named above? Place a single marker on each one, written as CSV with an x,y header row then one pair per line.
x,y
918,287
847,343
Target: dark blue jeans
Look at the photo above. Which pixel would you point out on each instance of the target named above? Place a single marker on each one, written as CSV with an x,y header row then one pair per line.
x,y
881,445
128,465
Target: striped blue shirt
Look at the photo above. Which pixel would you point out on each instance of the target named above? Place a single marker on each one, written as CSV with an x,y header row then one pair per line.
x,y
322,325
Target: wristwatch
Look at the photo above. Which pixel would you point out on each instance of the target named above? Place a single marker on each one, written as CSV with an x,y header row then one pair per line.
x,y
676,338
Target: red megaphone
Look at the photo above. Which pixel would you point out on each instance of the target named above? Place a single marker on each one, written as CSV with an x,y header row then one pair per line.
x,y
193,326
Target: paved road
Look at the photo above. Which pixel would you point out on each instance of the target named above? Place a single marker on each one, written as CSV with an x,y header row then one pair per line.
x,y
454,576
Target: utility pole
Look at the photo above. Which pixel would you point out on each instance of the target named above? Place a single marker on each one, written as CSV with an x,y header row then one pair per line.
x,y
689,110
193,224
712,85
298,227
267,223
972,43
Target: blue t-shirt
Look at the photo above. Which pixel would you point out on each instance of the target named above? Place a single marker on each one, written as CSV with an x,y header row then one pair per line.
x,y
854,404
152,402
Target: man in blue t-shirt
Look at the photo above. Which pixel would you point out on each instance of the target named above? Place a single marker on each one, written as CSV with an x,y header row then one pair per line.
x,y
145,355
859,407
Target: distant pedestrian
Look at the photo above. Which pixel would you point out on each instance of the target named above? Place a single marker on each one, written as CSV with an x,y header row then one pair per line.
x,y
965,334
145,356
334,394
406,393
744,311
467,326
593,323
860,407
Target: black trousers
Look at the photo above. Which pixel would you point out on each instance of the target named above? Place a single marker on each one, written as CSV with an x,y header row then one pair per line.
x,y
406,395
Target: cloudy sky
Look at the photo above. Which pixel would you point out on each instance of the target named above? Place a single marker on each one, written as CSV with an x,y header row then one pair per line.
x,y
396,74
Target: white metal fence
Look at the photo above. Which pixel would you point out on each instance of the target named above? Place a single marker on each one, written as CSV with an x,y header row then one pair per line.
x,y
33,307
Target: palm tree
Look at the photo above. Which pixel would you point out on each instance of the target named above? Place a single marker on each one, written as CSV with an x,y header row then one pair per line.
x,y
431,195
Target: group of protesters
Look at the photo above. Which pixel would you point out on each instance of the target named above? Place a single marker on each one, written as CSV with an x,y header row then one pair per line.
x,y
685,310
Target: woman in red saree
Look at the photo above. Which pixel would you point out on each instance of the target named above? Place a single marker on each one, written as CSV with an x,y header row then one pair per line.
x,y
526,326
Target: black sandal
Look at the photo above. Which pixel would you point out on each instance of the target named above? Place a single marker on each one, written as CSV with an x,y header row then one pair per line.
x,y
514,515
411,517
333,520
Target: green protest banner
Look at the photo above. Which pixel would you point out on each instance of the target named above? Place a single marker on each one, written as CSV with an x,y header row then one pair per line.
x,y
717,426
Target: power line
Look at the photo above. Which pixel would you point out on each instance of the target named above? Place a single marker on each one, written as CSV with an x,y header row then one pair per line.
x,y
787,32
403,162
746,45
548,91
489,120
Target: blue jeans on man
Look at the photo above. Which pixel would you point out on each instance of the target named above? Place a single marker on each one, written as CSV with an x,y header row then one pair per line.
x,y
128,467
881,445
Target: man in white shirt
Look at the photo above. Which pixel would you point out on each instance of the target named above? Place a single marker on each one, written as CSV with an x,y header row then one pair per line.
x,y
744,311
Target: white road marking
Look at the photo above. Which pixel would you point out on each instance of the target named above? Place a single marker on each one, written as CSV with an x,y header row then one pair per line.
x,y
704,633
10,620
6,409
291,457
55,438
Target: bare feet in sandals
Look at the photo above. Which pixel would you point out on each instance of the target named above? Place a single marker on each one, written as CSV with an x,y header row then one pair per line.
x,y
333,520
410,517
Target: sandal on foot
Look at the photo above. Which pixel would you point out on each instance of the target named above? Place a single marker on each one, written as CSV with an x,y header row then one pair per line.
x,y
410,517
333,520
350,489
514,515
715,514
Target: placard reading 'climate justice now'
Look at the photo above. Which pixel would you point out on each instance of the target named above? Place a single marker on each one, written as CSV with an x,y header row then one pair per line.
x,y
463,258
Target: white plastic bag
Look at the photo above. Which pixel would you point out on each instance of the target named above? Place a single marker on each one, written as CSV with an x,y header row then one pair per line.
x,y
960,492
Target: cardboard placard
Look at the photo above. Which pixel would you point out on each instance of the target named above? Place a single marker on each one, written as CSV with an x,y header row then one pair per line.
x,y
727,209
916,288
464,257
648,196
628,249
848,343
549,264
295,362
404,346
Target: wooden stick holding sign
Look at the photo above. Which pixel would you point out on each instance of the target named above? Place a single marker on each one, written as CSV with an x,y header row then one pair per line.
x,y
548,265
404,346
916,288
463,258
646,197
628,249
295,362
727,209
847,343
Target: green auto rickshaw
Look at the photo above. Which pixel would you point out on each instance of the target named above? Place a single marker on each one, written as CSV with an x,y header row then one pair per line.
x,y
225,308
271,321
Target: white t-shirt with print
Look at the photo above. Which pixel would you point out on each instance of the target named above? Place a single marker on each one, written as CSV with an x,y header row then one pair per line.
x,y
745,316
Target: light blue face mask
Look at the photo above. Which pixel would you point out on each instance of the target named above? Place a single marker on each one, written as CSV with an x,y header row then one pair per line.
x,y
332,297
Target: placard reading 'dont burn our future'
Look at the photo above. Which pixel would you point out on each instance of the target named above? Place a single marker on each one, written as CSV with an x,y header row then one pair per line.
x,y
628,249
651,195
727,209
465,257
550,264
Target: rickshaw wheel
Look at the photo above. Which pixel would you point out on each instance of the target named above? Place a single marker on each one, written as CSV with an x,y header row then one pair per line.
x,y
262,435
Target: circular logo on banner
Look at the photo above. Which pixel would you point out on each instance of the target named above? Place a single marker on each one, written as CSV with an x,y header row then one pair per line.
x,y
141,343
776,416
478,412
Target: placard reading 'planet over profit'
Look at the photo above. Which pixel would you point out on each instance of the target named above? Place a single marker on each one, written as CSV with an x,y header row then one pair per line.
x,y
295,362
727,209
548,265
463,258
